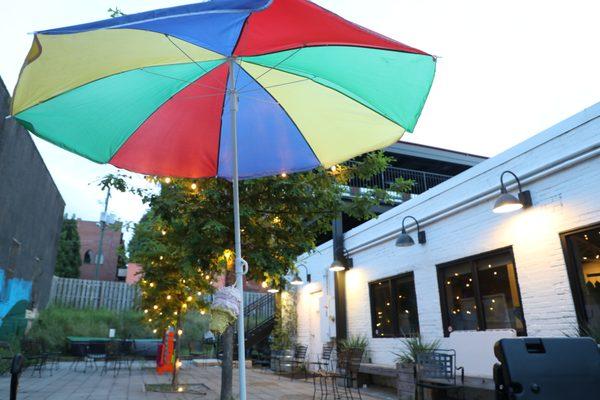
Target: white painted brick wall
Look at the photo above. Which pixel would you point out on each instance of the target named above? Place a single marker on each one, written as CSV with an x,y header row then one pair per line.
x,y
566,199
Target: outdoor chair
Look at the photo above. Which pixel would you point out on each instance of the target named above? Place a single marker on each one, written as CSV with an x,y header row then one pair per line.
x,y
6,356
34,356
437,370
323,364
113,355
298,361
347,367
93,354
201,349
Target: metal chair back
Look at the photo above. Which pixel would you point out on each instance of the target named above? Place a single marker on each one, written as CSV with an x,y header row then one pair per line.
x,y
438,366
300,351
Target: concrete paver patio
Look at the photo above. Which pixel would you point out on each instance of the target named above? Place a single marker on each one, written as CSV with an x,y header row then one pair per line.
x,y
66,384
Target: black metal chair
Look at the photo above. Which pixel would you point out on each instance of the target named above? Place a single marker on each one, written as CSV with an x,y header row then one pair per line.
x,y
298,360
323,364
113,355
6,357
437,370
34,356
347,368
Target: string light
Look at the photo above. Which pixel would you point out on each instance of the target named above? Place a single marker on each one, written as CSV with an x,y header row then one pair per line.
x,y
163,232
146,311
151,284
175,313
283,175
149,319
155,307
333,168
189,298
180,332
180,389
194,186
276,220
154,331
168,297
167,180
199,293
178,365
161,257
202,312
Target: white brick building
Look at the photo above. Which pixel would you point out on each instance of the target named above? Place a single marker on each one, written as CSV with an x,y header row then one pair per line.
x,y
561,169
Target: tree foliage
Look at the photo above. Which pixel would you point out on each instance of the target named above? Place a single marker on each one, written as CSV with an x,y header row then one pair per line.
x,y
68,259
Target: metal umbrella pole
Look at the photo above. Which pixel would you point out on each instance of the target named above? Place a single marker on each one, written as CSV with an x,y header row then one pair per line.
x,y
239,262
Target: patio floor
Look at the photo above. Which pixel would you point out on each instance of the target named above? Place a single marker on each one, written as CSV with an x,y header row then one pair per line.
x,y
65,384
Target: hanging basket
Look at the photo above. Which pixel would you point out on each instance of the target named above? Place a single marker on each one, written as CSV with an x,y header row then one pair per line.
x,y
225,309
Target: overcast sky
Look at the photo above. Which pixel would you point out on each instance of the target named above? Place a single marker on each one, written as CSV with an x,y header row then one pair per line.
x,y
507,70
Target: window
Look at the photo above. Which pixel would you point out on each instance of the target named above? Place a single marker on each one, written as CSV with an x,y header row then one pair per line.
x,y
481,292
394,307
87,257
582,255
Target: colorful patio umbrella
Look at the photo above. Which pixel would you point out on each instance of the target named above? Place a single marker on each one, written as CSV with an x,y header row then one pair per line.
x,y
177,91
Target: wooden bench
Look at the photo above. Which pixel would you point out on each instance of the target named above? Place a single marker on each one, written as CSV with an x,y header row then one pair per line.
x,y
367,371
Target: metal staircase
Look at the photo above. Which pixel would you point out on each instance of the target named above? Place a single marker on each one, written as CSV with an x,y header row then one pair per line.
x,y
259,320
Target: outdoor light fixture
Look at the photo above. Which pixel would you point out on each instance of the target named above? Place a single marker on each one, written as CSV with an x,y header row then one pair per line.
x,y
296,280
340,265
405,240
506,202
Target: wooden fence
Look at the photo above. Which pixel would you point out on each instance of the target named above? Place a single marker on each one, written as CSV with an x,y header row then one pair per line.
x,y
83,293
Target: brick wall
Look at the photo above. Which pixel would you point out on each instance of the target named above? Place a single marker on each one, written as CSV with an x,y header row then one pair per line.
x,y
89,236
561,168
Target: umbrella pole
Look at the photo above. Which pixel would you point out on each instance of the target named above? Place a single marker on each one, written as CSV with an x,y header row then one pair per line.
x,y
239,273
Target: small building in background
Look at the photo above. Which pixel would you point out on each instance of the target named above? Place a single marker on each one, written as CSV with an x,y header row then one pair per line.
x,y
133,273
31,213
89,238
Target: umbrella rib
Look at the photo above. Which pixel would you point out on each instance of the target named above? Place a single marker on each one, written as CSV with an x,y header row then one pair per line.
x,y
194,82
190,58
277,85
272,67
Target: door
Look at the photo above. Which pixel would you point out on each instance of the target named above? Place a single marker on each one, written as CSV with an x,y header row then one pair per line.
x,y
315,345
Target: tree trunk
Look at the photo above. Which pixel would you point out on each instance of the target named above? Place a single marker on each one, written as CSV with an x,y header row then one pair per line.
x,y
227,365
175,376
227,343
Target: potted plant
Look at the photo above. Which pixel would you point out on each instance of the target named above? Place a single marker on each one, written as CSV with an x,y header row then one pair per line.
x,y
284,332
356,345
406,360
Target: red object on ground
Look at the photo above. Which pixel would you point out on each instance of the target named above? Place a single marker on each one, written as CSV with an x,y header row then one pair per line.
x,y
164,363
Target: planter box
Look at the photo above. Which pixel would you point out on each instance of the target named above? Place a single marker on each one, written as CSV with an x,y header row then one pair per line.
x,y
284,357
405,381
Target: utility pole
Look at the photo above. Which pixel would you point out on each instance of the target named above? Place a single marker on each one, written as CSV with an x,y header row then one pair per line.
x,y
103,218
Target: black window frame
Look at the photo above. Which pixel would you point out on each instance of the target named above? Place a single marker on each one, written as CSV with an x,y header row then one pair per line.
x,y
572,273
472,260
396,328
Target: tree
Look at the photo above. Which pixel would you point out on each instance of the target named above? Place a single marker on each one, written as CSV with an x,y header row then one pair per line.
x,y
68,259
189,229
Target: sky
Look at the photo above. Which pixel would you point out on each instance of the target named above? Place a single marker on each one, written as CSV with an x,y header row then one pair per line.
x,y
506,71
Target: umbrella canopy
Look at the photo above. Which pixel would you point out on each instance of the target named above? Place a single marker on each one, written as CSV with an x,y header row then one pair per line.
x,y
150,92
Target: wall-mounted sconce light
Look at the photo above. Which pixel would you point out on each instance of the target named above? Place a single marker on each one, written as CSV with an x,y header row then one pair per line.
x,y
296,280
506,202
405,240
341,263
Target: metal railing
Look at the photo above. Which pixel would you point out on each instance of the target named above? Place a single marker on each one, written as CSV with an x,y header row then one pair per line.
x,y
422,180
259,312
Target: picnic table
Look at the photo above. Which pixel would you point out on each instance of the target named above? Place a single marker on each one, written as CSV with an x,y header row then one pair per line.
x,y
97,345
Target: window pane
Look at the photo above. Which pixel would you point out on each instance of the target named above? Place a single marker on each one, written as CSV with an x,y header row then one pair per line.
x,y
460,298
586,251
382,309
499,293
406,299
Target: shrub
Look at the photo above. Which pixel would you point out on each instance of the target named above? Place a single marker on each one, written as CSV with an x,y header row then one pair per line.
x,y
413,346
359,342
55,323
